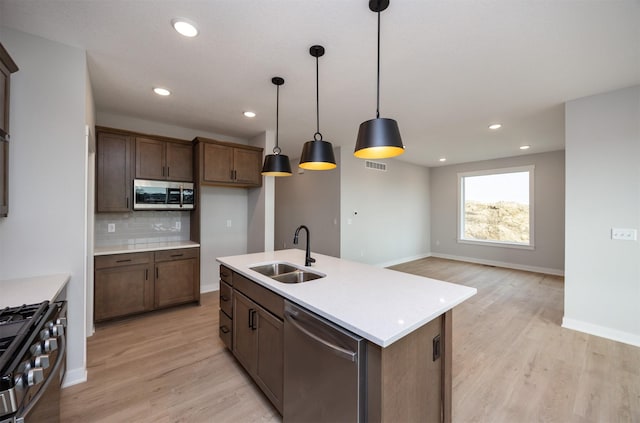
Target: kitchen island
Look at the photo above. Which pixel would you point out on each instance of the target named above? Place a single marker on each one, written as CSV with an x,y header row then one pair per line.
x,y
405,320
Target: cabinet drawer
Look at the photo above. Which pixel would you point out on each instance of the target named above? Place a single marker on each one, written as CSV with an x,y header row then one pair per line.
x,y
225,275
179,254
226,299
225,329
118,260
261,295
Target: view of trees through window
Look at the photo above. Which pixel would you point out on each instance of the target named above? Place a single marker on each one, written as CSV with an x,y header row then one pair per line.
x,y
495,207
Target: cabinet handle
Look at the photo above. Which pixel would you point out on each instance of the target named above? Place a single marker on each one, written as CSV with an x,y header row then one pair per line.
x,y
157,274
224,298
177,255
224,329
252,319
162,170
123,261
127,199
168,171
146,274
231,176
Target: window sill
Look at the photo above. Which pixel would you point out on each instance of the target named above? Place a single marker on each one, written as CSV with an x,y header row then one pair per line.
x,y
497,244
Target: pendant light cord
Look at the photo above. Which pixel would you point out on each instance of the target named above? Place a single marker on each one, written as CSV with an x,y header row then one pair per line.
x,y
378,81
317,102
277,118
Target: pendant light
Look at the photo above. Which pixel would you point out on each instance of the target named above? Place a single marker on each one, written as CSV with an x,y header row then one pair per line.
x,y
378,138
317,154
276,164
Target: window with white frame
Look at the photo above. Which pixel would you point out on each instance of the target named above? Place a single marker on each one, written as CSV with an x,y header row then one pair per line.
x,y
496,207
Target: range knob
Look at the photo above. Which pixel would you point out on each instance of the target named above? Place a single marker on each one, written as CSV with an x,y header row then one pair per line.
x,y
61,321
56,329
30,378
41,361
44,346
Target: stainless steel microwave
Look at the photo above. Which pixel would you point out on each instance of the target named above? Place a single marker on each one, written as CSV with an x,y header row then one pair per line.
x,y
162,195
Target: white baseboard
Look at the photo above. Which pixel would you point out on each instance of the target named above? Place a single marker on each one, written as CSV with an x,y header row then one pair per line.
x,y
545,270
402,260
209,287
74,377
601,331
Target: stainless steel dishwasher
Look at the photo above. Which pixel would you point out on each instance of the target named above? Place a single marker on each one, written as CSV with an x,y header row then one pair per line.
x,y
324,370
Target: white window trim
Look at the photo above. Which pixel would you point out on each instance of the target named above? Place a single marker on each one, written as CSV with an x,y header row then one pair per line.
x,y
460,222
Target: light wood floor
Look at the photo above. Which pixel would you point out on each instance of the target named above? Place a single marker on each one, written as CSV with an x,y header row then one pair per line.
x,y
512,362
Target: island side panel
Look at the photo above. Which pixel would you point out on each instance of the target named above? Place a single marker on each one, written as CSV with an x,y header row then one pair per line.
x,y
404,382
447,365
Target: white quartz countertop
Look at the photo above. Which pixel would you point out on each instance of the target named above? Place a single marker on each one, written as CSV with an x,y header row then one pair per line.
x,y
16,292
141,248
381,305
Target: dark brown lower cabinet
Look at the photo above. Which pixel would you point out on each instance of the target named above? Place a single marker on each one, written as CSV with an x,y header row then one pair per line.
x,y
127,284
123,285
177,280
258,345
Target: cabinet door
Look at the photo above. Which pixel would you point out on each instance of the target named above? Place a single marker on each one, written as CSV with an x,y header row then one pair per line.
x,y
179,162
245,341
270,356
248,165
121,291
217,163
4,173
174,283
4,99
150,159
114,181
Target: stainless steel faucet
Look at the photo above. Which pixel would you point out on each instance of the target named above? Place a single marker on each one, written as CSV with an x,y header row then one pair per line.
x,y
308,259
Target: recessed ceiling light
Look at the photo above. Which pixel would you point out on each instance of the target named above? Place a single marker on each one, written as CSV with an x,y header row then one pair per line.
x,y
161,91
495,126
249,114
442,159
525,147
184,27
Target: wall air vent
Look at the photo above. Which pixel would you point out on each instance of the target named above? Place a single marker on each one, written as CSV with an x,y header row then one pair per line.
x,y
375,165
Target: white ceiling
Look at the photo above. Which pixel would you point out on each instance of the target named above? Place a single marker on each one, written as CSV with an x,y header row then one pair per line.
x,y
448,68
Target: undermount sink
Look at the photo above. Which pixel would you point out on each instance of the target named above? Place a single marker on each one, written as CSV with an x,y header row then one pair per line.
x,y
286,273
274,269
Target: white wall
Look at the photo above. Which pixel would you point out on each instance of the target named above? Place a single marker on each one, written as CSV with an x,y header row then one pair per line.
x,y
548,254
219,206
393,217
602,279
261,203
45,230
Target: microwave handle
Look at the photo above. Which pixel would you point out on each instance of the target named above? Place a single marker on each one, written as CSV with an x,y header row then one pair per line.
x,y
181,196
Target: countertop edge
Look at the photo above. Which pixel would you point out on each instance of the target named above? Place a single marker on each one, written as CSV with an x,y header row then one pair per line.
x,y
141,248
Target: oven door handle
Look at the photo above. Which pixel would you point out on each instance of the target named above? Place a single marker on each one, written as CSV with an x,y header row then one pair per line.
x,y
23,415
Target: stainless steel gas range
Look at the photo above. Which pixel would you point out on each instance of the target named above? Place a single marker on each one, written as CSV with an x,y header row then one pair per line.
x,y
32,362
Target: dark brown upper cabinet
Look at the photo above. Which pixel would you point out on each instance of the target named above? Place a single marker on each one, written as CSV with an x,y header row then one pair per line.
x,y
163,160
114,181
7,67
227,164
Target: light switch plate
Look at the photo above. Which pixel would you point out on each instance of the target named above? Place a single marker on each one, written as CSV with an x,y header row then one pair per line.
x,y
111,227
624,234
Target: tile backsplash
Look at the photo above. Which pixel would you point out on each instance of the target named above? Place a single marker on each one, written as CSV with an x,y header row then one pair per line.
x,y
141,227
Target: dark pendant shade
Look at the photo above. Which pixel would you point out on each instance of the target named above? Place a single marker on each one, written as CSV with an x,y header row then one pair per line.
x,y
378,139
317,155
276,165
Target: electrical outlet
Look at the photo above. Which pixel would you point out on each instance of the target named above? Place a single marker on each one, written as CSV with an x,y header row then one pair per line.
x,y
178,225
624,234
111,227
228,223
